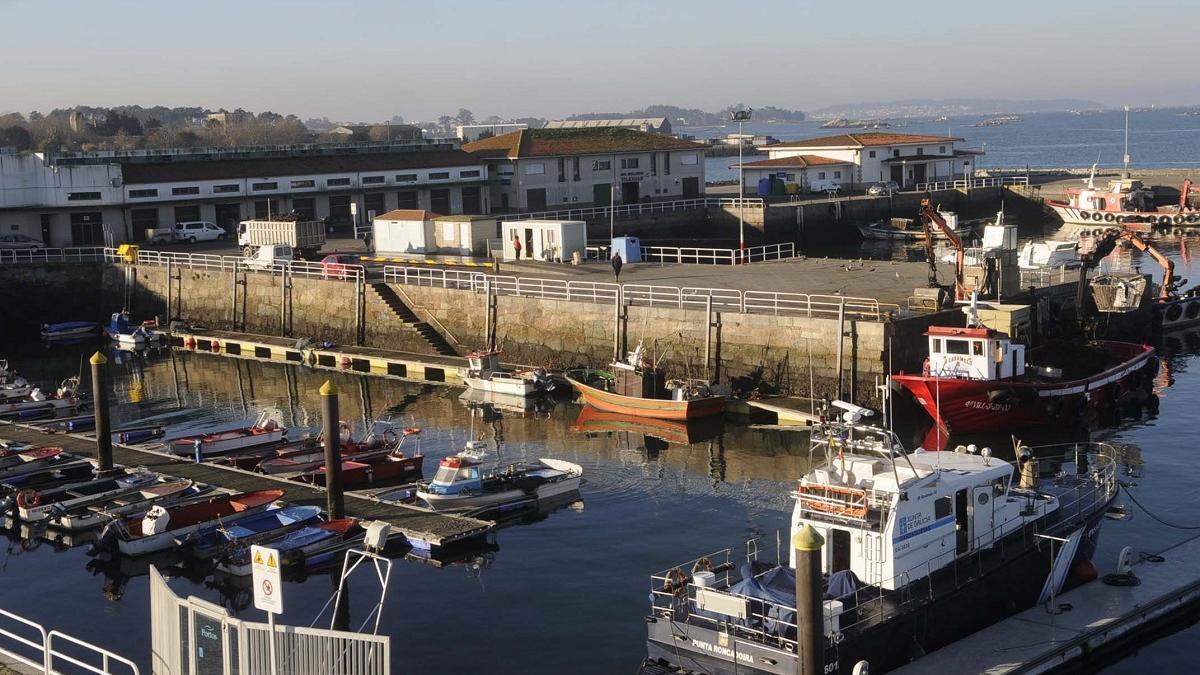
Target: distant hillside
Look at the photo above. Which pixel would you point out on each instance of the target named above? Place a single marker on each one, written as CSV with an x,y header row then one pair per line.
x,y
695,117
950,107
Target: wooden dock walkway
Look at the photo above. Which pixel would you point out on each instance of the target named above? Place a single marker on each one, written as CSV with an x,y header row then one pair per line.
x,y
1102,620
422,527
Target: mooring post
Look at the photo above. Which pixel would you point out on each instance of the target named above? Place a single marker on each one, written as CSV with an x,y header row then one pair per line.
x,y
335,502
810,622
104,453
841,336
707,334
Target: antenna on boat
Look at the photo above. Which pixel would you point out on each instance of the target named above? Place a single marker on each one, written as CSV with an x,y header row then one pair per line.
x,y
1126,158
1091,181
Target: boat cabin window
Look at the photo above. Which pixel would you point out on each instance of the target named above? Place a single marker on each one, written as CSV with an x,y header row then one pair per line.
x,y
448,474
999,487
977,347
957,347
937,345
942,508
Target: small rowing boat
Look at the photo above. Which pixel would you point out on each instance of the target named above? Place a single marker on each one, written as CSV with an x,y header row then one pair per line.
x,y
297,546
264,431
68,329
164,527
33,505
138,501
210,540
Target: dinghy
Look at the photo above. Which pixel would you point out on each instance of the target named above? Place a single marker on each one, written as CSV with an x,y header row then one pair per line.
x,y
33,505
209,541
68,329
25,460
138,501
264,431
163,527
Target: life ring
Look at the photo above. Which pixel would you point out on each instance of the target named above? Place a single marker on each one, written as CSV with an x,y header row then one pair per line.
x,y
409,431
1178,220
1164,220
1108,217
190,343
28,498
1097,216
1191,218
676,583
1084,215
216,346
345,362
702,565
390,437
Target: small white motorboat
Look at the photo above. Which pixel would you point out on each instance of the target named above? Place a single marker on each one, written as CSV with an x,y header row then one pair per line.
x,y
36,399
126,335
461,484
264,431
1052,253
484,373
33,506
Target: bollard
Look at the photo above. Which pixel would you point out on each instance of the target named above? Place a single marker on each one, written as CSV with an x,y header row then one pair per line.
x,y
335,501
810,621
104,453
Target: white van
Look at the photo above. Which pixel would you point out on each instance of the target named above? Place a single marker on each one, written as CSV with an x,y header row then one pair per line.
x,y
193,231
829,187
267,257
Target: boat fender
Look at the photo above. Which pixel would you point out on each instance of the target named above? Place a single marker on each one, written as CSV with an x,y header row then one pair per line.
x,y
702,565
409,431
1097,216
344,431
1120,219
1177,231
215,345
1151,367
156,521
676,583
1108,217
1084,215
28,498
1026,394
190,343
1178,220
345,362
1164,220
1191,218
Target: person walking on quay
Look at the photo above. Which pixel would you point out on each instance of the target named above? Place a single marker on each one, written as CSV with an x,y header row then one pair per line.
x,y
517,247
617,263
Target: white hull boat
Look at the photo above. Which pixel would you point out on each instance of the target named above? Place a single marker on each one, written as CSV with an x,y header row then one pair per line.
x,y
459,485
485,374
33,507
264,432
161,528
100,512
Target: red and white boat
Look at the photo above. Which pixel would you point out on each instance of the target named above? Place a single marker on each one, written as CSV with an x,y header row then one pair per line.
x,y
1124,203
262,432
162,528
976,378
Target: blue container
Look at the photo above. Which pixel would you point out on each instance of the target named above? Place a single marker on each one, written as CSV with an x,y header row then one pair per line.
x,y
630,249
81,425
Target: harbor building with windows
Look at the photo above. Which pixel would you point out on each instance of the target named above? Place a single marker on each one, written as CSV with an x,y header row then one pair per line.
x,y
548,169
72,199
857,160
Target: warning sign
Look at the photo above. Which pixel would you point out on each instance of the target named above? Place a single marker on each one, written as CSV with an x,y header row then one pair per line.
x,y
268,591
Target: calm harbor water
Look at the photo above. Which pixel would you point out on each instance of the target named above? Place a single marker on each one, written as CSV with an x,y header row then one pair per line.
x,y
1160,138
565,592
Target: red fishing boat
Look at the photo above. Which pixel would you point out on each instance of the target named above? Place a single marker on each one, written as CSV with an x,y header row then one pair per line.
x,y
636,386
976,378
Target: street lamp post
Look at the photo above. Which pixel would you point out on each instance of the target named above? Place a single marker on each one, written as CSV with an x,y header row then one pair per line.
x,y
741,116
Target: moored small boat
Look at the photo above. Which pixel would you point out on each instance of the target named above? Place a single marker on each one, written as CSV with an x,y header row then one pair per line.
x,y
461,483
120,331
33,505
209,540
163,527
296,546
171,490
636,386
68,329
64,397
485,374
263,432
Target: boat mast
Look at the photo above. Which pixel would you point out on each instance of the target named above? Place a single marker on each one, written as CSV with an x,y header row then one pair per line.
x,y
1126,142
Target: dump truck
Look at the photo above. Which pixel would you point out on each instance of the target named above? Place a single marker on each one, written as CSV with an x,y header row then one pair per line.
x,y
306,237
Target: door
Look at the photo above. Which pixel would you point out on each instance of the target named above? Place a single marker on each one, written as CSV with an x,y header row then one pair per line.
x,y
840,540
304,207
962,522
691,188
981,515
898,175
375,201
86,229
630,192
529,242
185,214
535,199
601,194
406,199
46,220
919,173
229,215
439,201
144,222
470,200
339,211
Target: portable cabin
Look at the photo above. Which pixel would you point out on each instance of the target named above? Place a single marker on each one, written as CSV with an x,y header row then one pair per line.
x,y
463,235
630,248
974,354
404,231
549,240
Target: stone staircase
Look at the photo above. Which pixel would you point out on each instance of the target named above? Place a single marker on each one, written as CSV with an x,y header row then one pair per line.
x,y
436,341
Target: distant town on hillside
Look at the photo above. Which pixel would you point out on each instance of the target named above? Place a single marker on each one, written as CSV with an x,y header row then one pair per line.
x,y
951,107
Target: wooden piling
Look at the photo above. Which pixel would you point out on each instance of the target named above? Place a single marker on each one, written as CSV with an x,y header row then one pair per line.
x,y
104,451
810,621
334,498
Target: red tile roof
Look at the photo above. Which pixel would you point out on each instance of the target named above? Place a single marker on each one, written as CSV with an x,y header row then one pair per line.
x,y
863,139
169,172
407,214
794,162
568,142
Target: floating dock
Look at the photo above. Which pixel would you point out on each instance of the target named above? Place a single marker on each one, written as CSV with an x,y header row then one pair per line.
x,y
422,527
791,411
1101,621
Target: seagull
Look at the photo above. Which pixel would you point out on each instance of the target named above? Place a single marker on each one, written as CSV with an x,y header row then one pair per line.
x,y
897,275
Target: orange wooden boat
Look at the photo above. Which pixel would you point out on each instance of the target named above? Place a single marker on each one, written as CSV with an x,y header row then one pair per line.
x,y
660,408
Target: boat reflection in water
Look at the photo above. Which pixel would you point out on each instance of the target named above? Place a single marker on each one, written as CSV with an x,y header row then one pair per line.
x,y
524,406
593,421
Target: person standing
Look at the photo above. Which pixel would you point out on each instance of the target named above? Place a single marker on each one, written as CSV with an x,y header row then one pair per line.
x,y
617,263
517,247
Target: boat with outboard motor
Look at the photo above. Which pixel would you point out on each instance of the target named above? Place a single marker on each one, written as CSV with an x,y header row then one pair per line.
x,y
917,551
483,372
297,547
34,505
210,540
264,431
164,527
120,331
165,491
461,483
65,396
637,386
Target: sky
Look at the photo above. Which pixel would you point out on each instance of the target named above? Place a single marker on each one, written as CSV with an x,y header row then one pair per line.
x,y
367,60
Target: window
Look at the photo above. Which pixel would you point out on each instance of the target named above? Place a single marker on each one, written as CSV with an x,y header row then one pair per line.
x,y
601,165
439,175
977,347
629,162
331,182
654,164
405,177
789,177
896,152
666,164
871,154
967,163
535,169
957,347
920,151
230,187
439,201
942,507
562,169
185,191
82,196
373,180
937,346
820,175
942,149
304,183
469,174
259,187
687,159
837,174
142,194
575,172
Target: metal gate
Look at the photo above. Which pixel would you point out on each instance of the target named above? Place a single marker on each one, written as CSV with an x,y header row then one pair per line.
x,y
191,636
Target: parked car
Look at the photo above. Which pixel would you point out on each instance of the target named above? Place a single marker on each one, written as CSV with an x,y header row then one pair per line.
x,y
883,189
829,187
267,257
21,241
198,230
339,265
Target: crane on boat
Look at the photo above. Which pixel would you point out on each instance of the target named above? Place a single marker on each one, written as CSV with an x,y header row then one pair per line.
x,y
929,217
1107,242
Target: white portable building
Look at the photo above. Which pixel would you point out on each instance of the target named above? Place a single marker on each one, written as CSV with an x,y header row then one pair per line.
x,y
464,235
404,231
547,240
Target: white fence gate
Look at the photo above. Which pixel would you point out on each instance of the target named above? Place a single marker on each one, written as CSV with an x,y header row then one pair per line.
x,y
191,636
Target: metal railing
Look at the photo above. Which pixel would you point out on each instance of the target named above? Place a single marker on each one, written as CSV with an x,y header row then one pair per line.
x,y
967,184
30,256
636,209
315,650
685,255
40,652
228,263
1049,276
650,295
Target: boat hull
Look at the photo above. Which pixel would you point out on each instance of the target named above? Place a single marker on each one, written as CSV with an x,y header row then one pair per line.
x,y
650,407
963,405
511,386
216,444
1137,220
469,502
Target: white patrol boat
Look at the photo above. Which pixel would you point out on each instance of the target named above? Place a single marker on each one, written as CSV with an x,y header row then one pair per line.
x,y
920,549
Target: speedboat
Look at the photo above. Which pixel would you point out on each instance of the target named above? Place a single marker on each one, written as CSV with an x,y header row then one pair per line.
x,y
461,483
67,330
125,335
264,431
917,550
485,374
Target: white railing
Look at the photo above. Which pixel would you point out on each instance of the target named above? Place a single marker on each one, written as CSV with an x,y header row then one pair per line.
x,y
636,209
686,255
41,653
966,184
229,263
29,256
649,295
314,650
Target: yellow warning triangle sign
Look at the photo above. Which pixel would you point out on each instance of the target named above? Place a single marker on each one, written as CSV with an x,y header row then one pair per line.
x,y
270,560
258,558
